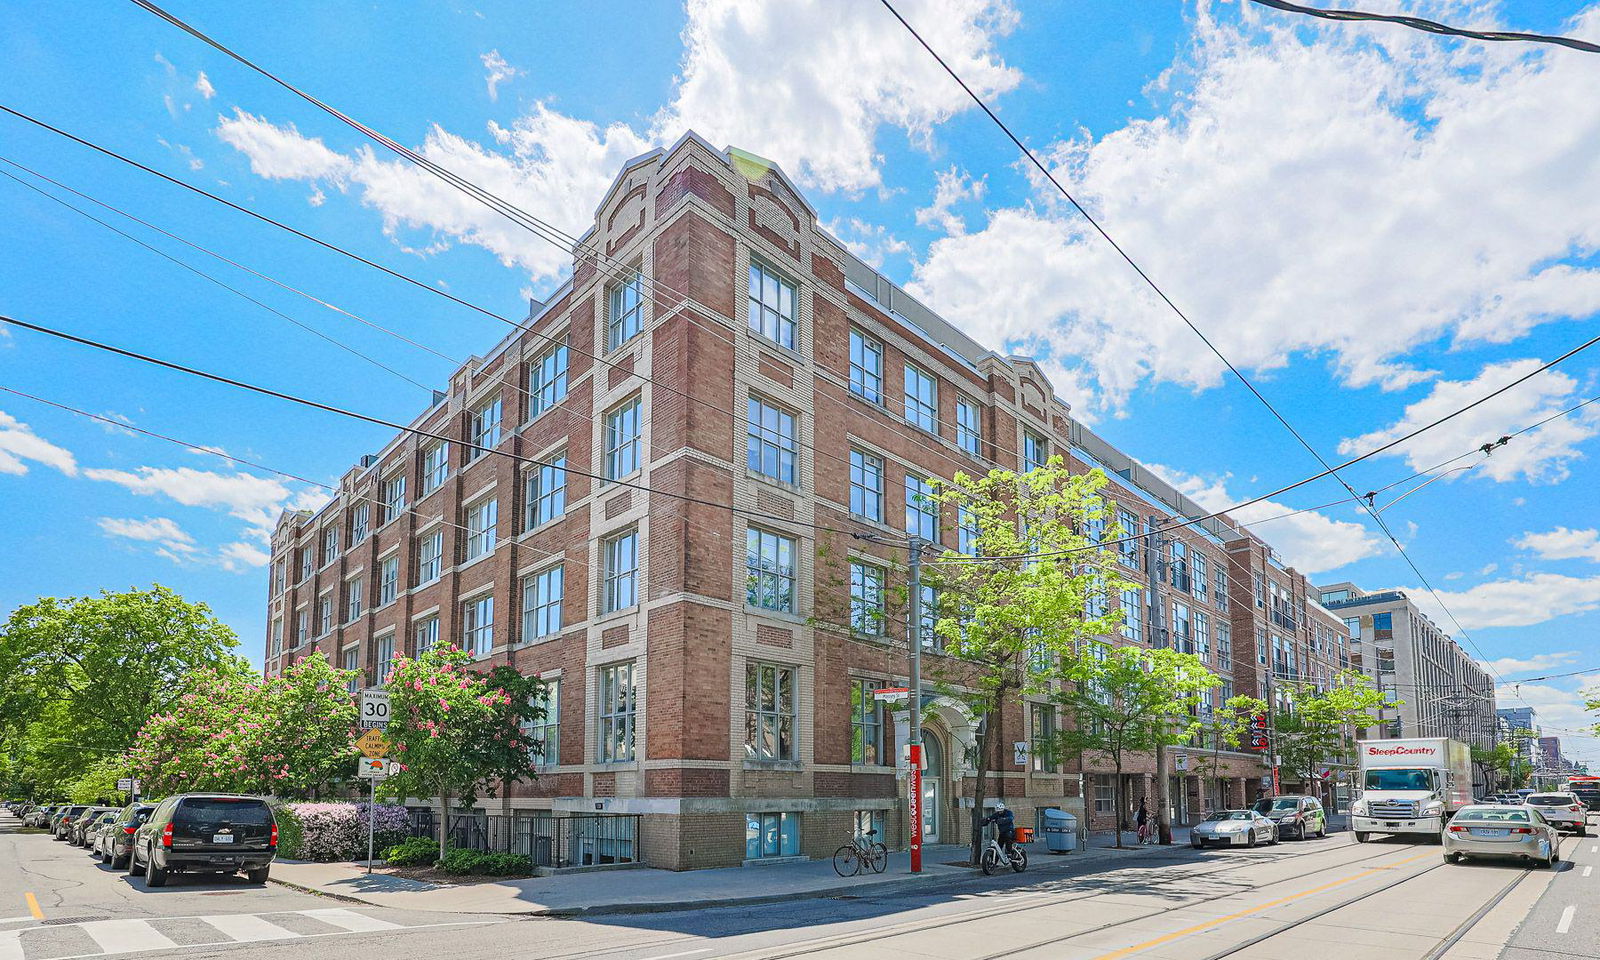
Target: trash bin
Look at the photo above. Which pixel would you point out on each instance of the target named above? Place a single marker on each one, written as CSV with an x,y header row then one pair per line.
x,y
1060,831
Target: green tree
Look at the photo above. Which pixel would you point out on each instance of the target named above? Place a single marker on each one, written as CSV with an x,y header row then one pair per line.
x,y
1225,729
83,674
1008,626
1316,727
458,732
1496,763
1126,700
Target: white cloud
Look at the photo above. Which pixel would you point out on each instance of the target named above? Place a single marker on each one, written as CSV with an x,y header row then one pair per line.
x,y
872,242
952,187
1303,188
1562,544
1559,711
1540,456
202,84
1310,542
816,106
1537,662
1532,599
241,557
497,71
162,531
19,445
255,500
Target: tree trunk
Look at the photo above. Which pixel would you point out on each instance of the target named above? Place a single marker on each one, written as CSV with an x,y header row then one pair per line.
x,y
1118,797
980,789
1163,795
444,821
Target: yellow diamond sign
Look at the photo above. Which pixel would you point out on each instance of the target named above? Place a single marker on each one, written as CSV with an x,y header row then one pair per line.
x,y
372,744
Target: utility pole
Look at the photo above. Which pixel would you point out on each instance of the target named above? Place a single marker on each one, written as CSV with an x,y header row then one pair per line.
x,y
914,738
1155,574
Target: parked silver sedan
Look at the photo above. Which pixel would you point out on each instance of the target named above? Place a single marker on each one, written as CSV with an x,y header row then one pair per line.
x,y
1233,828
1501,830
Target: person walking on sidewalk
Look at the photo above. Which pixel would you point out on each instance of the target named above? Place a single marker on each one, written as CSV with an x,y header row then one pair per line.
x,y
1142,821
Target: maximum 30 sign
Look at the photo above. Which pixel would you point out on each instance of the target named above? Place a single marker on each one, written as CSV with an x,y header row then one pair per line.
x,y
374,709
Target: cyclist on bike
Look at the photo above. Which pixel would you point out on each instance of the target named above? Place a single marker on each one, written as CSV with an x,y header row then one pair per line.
x,y
1005,825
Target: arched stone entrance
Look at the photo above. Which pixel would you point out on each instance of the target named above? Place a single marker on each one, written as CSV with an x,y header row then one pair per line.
x,y
949,736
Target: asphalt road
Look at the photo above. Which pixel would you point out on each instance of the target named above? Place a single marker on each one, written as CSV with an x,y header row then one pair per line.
x,y
1304,900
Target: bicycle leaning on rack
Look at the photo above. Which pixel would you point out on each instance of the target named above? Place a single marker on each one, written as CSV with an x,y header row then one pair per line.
x,y
861,851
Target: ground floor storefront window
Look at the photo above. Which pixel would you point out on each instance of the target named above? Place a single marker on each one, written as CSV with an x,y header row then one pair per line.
x,y
771,835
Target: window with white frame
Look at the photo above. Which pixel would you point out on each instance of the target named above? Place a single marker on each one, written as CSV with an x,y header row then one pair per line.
x,y
617,705
325,613
866,599
1035,451
430,557
622,440
546,729
351,661
477,625
1224,646
1202,634
969,432
546,492
394,497
769,711
277,636
968,532
866,723
388,580
279,577
547,380
922,399
866,367
360,522
1133,614
425,634
308,561
772,305
625,318
385,659
355,595
621,581
1182,637
922,512
930,618
1226,693
435,466
770,440
769,570
330,545
1042,738
1199,569
302,627
866,485
482,518
541,603
1105,794
1221,593
1131,527
483,427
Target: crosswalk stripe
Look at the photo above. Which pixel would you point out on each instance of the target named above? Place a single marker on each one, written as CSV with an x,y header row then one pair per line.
x,y
126,936
10,945
246,927
350,920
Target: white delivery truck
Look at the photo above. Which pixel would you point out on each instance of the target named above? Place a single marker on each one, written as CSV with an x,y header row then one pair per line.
x,y
1410,786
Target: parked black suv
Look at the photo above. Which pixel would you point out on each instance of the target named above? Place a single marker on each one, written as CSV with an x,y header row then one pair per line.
x,y
206,833
1297,816
115,843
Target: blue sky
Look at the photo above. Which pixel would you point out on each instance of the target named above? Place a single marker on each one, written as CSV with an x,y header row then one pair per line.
x,y
1376,225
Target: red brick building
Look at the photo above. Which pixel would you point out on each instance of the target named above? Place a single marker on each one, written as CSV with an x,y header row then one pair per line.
x,y
712,669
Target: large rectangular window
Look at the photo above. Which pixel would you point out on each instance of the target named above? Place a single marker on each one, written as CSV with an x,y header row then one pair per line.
x,y
622,440
477,625
385,659
435,466
1202,635
546,492
1131,527
1042,738
770,441
1200,571
430,556
350,661
866,723
769,570
772,305
394,497
969,433
1105,794
617,704
968,532
866,367
771,835
547,380
277,637
308,562
482,519
388,580
1224,646
1221,592
922,513
330,545
922,399
483,428
1133,614
426,635
769,711
866,599
621,572
360,523
302,627
1035,451
1182,638
625,318
324,613
541,603
866,485
546,731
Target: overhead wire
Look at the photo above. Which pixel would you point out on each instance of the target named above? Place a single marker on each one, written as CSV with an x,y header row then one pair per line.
x,y
1430,26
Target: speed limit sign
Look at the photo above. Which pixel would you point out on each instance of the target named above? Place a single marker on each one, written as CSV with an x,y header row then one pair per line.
x,y
374,709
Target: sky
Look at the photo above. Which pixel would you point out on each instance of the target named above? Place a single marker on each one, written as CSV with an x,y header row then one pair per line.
x,y
1375,225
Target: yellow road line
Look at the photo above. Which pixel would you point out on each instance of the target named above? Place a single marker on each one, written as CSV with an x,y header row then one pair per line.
x,y
33,905
1197,928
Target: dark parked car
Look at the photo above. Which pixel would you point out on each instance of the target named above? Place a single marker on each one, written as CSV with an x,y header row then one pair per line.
x,y
63,820
114,842
78,833
206,833
1296,816
91,832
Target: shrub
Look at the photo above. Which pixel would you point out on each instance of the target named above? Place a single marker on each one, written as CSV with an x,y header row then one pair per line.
x,y
460,861
413,852
291,835
338,831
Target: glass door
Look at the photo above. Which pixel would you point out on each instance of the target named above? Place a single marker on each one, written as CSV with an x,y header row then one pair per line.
x,y
932,787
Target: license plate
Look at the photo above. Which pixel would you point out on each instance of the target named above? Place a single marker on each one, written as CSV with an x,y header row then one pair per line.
x,y
222,838
1489,832
1392,824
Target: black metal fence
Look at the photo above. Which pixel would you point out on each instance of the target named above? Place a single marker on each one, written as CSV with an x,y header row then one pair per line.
x,y
548,838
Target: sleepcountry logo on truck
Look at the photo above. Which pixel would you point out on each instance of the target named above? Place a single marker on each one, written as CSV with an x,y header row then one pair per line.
x,y
1373,751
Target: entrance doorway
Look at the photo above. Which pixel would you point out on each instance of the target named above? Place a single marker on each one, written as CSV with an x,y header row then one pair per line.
x,y
932,786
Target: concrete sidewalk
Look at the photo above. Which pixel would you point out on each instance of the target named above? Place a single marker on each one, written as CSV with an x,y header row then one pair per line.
x,y
645,890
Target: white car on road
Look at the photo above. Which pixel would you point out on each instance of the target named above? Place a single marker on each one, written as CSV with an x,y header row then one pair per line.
x,y
1564,811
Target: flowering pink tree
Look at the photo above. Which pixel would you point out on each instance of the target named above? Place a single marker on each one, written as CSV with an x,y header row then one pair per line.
x,y
458,731
285,735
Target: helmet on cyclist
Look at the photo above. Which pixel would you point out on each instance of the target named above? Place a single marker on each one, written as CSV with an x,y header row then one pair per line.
x,y
999,806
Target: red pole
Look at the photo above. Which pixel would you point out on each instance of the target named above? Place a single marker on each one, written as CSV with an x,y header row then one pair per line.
x,y
915,751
